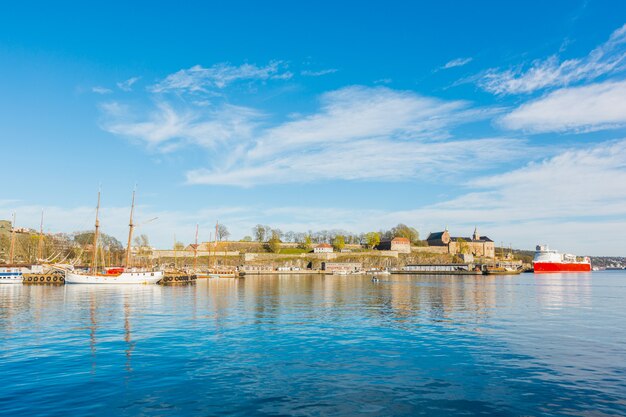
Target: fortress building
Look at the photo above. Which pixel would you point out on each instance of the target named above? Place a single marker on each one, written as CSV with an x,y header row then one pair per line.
x,y
477,245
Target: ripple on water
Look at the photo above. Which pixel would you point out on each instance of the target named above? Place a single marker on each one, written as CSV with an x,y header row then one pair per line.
x,y
316,345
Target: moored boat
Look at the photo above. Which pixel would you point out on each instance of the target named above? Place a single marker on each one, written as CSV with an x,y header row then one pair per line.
x,y
126,277
547,260
11,275
117,275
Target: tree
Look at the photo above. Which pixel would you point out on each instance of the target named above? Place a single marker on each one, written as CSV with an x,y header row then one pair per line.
x,y
402,230
339,242
222,232
179,246
246,239
306,242
142,241
372,239
463,246
259,233
274,243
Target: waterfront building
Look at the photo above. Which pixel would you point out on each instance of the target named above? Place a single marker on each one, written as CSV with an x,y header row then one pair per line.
x,y
398,244
476,245
342,266
323,248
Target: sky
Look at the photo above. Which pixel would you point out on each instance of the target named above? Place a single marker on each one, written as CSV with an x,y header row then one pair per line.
x,y
506,116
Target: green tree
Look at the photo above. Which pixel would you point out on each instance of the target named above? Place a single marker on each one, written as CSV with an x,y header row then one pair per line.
x,y
307,243
402,230
259,233
339,242
273,244
463,246
372,239
246,239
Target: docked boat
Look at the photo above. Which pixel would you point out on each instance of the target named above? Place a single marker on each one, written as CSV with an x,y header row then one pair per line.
x,y
547,260
127,277
502,270
11,275
117,275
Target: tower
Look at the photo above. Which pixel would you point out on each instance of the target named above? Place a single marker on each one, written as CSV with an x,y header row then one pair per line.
x,y
475,236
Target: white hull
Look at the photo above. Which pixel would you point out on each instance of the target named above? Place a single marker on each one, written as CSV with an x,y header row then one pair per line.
x,y
13,279
11,275
123,278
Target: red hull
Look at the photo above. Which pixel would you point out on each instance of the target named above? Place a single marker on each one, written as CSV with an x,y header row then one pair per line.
x,y
561,267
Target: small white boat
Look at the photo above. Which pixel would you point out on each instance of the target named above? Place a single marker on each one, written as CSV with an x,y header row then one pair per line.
x,y
11,275
126,277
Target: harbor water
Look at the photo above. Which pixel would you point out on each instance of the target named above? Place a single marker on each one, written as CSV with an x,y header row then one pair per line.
x,y
315,345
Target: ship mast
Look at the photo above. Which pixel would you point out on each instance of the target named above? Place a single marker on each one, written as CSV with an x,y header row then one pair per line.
x,y
40,246
215,245
12,249
195,250
95,236
209,252
175,253
130,232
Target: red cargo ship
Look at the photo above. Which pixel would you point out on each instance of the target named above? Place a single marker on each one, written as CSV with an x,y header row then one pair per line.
x,y
547,260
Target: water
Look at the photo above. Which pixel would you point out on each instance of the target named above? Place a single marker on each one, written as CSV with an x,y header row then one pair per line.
x,y
314,345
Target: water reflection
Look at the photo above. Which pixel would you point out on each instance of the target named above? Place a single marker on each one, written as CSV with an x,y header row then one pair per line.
x,y
318,345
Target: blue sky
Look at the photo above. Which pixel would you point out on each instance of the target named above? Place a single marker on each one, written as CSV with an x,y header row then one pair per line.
x,y
358,116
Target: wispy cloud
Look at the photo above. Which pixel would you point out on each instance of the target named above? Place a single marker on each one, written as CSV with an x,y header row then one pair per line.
x,y
360,133
200,79
607,58
458,62
165,128
592,107
100,90
378,159
573,200
127,85
309,73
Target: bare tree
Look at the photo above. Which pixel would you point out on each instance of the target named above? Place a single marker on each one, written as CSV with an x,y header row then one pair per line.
x,y
222,232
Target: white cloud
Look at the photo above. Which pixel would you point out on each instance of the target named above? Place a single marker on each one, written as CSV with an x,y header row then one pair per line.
x,y
573,201
219,76
543,200
592,107
100,90
607,58
358,133
308,73
167,127
128,84
377,159
361,133
458,62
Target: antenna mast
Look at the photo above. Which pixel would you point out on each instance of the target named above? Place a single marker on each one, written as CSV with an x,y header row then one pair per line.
x,y
130,232
95,236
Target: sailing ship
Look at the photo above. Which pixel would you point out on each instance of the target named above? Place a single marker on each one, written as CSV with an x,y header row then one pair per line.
x,y
125,275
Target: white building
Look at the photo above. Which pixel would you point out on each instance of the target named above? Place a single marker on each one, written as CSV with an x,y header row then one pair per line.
x,y
323,248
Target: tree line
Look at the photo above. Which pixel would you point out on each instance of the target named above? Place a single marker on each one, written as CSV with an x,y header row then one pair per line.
x,y
336,237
